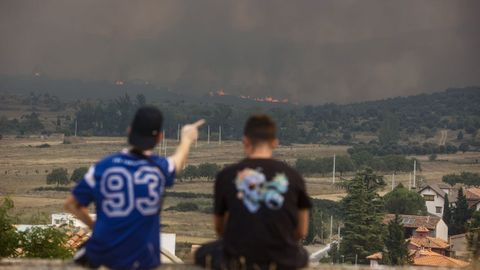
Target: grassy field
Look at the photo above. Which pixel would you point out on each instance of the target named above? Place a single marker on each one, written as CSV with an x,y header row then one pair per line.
x,y
24,166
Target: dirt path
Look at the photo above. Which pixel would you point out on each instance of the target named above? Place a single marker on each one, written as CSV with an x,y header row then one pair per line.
x,y
443,138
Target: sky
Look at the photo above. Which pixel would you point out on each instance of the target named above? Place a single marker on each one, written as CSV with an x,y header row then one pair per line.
x,y
308,51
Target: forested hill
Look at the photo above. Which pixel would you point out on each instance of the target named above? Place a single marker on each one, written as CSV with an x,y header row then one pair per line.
x,y
402,120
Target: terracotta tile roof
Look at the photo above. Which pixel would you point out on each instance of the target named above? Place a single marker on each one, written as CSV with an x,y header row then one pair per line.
x,y
77,237
472,193
429,242
412,221
430,258
375,256
422,229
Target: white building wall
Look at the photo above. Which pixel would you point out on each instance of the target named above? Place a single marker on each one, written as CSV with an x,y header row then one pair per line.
x,y
432,205
167,241
441,230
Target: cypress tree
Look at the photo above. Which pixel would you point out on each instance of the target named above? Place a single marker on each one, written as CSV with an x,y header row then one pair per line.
x,y
312,229
396,248
447,212
363,215
461,214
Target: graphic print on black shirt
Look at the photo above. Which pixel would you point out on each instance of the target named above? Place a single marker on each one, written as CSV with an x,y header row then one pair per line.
x,y
263,198
253,189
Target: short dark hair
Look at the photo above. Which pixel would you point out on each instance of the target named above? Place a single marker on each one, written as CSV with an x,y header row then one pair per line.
x,y
260,129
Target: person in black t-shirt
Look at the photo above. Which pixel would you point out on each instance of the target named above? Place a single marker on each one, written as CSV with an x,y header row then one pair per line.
x,y
261,205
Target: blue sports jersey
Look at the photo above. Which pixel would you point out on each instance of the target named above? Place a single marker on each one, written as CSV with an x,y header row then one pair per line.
x,y
127,191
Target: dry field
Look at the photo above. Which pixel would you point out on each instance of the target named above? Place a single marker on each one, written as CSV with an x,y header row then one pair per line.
x,y
24,166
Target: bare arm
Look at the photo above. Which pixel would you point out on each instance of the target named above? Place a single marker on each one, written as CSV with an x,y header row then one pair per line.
x,y
219,223
81,212
302,227
189,135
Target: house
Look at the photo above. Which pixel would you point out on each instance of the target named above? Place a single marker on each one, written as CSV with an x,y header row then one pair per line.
x,y
459,246
59,219
421,240
426,257
374,259
436,226
473,197
434,196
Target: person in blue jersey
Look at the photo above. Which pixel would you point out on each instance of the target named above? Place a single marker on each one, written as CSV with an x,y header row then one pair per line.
x,y
127,190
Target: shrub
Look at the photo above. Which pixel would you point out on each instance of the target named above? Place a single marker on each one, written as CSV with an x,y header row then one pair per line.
x,y
57,176
78,174
45,243
184,207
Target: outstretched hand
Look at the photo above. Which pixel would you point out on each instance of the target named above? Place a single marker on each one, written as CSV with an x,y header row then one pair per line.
x,y
190,131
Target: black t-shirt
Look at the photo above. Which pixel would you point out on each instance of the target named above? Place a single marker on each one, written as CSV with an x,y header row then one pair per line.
x,y
262,197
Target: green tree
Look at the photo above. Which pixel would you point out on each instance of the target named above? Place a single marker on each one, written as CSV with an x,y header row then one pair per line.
x,y
58,176
208,170
389,131
447,212
45,243
9,238
312,229
461,214
463,147
78,174
190,171
404,202
334,253
396,248
473,237
460,136
363,211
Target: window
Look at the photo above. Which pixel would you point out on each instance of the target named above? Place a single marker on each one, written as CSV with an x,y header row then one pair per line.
x,y
438,209
429,198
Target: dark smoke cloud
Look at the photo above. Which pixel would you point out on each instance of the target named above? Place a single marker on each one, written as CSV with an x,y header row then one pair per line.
x,y
310,51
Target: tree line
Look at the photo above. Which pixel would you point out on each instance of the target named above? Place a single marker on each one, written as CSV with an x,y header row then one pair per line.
x,y
59,176
466,178
203,170
358,161
394,121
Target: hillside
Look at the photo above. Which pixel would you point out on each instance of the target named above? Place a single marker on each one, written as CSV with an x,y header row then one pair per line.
x,y
37,105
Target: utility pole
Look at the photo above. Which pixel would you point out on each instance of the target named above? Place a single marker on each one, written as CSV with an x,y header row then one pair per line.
x,y
333,175
208,134
321,222
76,127
178,133
414,173
219,135
393,181
331,228
410,181
165,148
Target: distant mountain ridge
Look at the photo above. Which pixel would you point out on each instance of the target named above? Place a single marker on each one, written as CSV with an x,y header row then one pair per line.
x,y
105,90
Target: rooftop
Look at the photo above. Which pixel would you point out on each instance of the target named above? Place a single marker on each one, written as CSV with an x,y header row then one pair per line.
x,y
429,242
430,258
37,264
412,221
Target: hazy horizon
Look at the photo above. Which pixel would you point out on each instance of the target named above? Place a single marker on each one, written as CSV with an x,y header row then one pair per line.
x,y
307,51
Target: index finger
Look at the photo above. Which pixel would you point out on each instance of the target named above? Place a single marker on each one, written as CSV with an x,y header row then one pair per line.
x,y
199,123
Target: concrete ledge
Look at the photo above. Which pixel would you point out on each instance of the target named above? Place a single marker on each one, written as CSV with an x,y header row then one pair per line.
x,y
42,264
